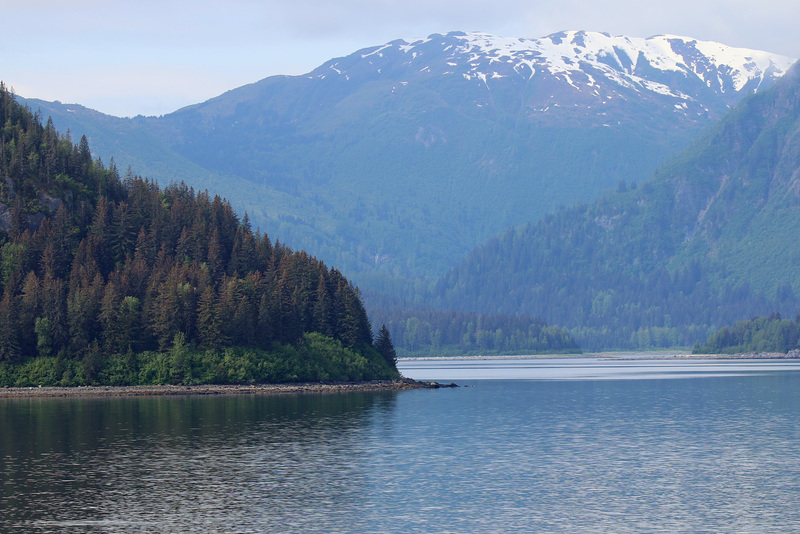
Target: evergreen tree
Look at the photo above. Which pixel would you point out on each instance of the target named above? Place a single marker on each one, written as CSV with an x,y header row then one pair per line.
x,y
10,346
130,325
385,347
209,322
109,318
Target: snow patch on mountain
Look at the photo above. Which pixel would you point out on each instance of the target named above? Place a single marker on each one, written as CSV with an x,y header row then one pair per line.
x,y
623,59
580,59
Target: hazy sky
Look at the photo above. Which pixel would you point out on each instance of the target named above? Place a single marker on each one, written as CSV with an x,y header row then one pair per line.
x,y
149,57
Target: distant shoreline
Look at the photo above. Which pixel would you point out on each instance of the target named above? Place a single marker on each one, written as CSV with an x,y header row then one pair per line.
x,y
214,389
668,355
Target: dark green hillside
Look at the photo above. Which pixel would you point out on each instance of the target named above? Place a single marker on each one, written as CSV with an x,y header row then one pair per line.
x,y
710,240
109,280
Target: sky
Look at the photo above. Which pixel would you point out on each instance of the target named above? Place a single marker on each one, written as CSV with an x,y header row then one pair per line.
x,y
152,57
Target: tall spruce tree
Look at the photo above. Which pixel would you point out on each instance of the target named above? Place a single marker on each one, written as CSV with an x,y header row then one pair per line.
x,y
385,347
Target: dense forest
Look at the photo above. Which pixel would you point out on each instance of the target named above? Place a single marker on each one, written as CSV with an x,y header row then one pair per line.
x,y
115,280
759,334
603,271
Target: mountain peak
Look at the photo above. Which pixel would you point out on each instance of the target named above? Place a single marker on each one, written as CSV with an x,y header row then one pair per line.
x,y
594,62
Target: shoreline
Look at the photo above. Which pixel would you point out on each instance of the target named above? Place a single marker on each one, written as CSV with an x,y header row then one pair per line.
x,y
218,389
619,355
352,387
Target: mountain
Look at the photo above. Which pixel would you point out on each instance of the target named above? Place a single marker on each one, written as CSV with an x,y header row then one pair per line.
x,y
395,161
710,240
117,281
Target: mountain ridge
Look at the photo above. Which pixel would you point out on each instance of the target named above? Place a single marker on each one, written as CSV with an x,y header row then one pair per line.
x,y
394,180
735,68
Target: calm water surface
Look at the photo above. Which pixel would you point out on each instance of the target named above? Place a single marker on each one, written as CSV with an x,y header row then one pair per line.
x,y
529,446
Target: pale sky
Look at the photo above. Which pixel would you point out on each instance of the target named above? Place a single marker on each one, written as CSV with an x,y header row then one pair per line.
x,y
151,57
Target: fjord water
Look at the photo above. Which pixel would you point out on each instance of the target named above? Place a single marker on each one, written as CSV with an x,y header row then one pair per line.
x,y
529,445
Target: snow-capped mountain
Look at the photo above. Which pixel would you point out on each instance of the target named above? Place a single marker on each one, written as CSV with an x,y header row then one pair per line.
x,y
598,66
402,157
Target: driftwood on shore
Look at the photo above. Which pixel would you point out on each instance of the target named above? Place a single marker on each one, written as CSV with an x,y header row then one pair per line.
x,y
212,389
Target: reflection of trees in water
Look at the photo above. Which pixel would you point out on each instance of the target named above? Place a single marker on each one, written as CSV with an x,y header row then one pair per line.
x,y
159,458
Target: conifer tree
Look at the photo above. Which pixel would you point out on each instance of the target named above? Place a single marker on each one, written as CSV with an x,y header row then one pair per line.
x,y
385,347
209,323
109,317
10,346
130,325
323,308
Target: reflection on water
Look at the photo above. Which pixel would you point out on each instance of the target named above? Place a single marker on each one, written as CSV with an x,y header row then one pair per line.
x,y
710,453
150,463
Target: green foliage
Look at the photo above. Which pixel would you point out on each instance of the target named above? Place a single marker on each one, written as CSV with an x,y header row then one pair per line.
x,y
44,336
317,358
760,334
11,255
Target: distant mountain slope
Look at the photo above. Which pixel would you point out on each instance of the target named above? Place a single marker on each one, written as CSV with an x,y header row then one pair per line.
x,y
710,240
132,146
398,159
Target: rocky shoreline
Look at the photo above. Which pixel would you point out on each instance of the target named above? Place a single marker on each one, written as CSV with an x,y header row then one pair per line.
x,y
212,389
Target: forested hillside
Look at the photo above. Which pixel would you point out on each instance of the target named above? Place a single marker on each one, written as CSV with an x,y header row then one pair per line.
x,y
710,240
115,280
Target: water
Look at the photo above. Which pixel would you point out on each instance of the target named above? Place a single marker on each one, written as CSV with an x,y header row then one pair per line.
x,y
633,367
662,446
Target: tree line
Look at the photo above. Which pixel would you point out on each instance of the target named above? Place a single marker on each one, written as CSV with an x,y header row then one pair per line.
x,y
452,333
766,333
